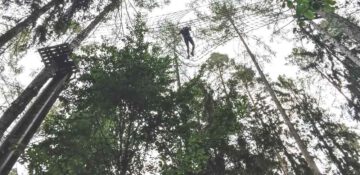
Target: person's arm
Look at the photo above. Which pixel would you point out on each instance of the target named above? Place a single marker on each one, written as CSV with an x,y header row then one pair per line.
x,y
181,31
191,32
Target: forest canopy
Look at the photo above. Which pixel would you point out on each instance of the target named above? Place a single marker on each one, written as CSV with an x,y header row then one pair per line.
x,y
206,87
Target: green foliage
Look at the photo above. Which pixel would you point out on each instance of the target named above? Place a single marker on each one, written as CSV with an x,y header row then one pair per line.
x,y
330,64
117,105
19,48
13,172
208,135
333,136
244,74
217,61
122,106
308,8
151,4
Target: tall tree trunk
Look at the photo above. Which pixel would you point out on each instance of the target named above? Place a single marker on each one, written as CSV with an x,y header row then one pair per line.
x,y
330,51
125,157
347,63
343,24
23,100
322,137
23,131
176,65
336,43
291,127
349,160
282,147
335,86
82,36
223,82
21,26
31,91
260,121
329,149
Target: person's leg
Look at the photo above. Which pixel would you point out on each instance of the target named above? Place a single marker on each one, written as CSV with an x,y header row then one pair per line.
x,y
193,45
187,46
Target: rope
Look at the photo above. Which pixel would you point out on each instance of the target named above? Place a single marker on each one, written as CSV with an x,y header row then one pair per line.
x,y
247,23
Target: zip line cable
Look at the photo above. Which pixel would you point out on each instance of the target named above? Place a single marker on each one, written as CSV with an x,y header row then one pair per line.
x,y
197,21
248,22
213,47
254,26
225,40
205,48
197,7
175,15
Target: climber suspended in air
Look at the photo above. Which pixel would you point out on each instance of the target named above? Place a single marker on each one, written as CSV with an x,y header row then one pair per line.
x,y
185,32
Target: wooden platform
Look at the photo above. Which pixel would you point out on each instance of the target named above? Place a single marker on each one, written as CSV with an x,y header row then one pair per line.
x,y
58,57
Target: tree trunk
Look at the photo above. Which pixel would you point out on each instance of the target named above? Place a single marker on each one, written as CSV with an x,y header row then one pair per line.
x,y
347,63
82,36
329,149
343,24
335,86
291,127
176,66
282,147
349,160
282,162
23,100
126,155
25,129
31,91
20,136
21,26
223,82
338,45
312,120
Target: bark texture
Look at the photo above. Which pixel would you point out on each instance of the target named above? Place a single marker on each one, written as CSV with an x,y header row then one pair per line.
x,y
21,26
286,118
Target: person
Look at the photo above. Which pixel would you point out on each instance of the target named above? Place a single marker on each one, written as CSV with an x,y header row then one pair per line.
x,y
185,32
